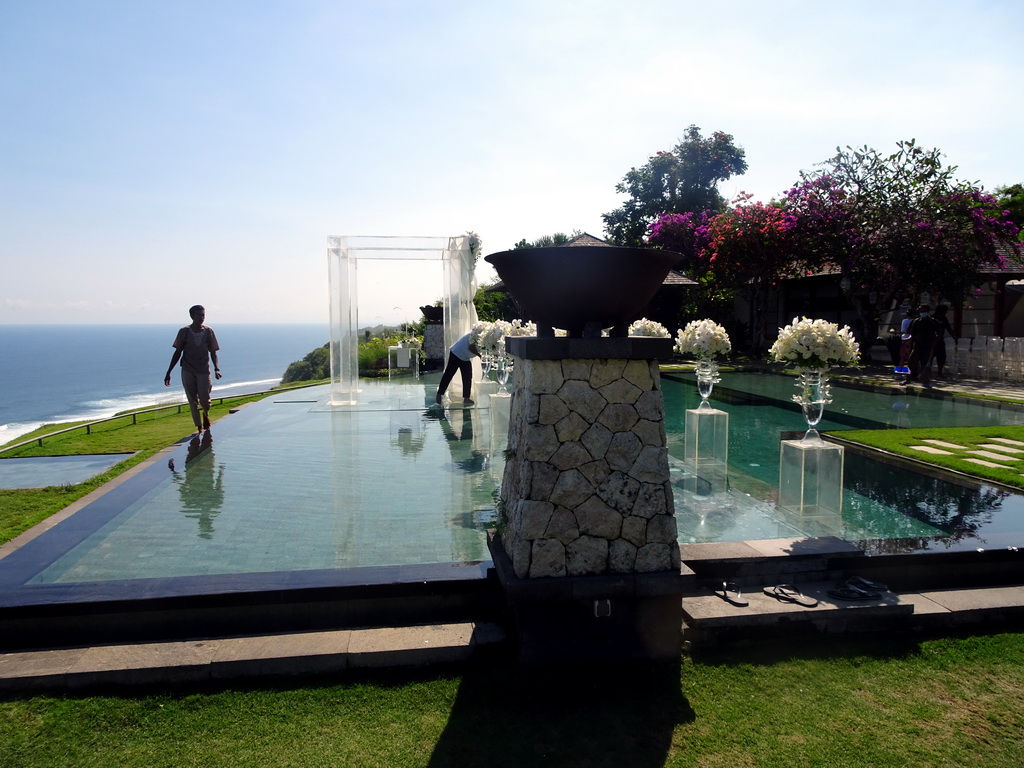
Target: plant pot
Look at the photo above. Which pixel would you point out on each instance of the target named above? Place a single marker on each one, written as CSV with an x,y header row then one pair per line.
x,y
583,289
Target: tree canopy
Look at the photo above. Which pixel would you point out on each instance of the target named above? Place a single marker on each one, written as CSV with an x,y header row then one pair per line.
x,y
682,180
891,225
901,223
1011,199
545,241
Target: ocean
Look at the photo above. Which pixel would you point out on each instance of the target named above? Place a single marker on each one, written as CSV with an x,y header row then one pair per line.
x,y
58,373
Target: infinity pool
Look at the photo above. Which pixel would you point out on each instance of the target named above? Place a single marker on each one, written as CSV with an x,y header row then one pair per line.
x,y
289,486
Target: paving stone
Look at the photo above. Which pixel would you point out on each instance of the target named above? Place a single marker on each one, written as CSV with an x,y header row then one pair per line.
x,y
389,646
302,653
930,449
1008,441
943,444
998,447
143,663
36,665
984,463
978,599
992,456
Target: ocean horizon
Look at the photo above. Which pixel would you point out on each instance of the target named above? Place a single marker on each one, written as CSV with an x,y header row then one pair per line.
x,y
52,374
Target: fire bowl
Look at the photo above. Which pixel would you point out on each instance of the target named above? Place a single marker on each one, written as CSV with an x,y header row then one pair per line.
x,y
583,289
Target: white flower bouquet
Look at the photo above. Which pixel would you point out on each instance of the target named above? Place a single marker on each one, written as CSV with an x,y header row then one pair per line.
x,y
518,328
645,327
704,339
815,344
485,336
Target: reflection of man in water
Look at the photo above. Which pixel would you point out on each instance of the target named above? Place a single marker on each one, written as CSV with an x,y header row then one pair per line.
x,y
460,443
201,487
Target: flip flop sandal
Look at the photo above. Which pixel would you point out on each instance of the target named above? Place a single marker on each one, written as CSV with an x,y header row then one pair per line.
x,y
859,582
850,593
731,594
790,594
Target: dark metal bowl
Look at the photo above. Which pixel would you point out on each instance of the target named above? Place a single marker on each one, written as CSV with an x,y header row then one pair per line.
x,y
583,288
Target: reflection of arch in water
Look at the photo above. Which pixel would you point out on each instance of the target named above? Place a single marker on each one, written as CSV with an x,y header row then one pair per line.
x,y
454,254
201,485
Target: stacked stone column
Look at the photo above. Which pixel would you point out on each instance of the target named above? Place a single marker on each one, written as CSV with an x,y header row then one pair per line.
x,y
586,487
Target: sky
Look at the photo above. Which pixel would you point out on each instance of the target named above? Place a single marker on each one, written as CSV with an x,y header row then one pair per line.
x,y
159,154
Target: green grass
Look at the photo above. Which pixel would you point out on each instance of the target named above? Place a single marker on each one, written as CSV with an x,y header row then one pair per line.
x,y
21,509
948,702
898,441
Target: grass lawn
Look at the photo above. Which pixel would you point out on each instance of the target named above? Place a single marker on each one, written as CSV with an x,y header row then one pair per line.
x,y
21,509
902,442
948,702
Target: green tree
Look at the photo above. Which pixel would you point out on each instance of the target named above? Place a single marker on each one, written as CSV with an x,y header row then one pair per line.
x,y
316,365
684,179
899,224
1011,199
547,241
495,305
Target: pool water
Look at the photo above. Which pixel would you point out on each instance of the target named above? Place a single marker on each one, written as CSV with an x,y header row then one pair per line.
x,y
290,485
885,508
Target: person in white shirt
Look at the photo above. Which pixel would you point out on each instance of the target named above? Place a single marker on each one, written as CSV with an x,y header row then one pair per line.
x,y
460,358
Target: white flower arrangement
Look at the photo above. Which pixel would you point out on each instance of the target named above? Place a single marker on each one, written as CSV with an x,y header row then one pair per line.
x,y
488,337
518,328
645,327
704,339
815,344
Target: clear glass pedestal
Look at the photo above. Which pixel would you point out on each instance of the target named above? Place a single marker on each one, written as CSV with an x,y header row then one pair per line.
x,y
811,485
706,447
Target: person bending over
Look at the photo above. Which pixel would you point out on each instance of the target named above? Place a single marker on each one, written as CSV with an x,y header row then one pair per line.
x,y
195,346
460,358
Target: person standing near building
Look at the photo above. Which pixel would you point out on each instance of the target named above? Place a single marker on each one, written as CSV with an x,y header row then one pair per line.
x,y
940,344
195,346
925,331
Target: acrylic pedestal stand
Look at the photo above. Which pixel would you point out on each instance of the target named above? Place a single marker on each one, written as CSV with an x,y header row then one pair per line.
x,y
811,486
405,358
706,448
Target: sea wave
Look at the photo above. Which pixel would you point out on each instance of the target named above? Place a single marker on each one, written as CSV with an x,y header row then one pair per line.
x,y
102,408
11,432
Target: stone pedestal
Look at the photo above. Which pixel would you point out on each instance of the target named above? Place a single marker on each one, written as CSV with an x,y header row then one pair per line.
x,y
586,498
811,486
706,449
433,345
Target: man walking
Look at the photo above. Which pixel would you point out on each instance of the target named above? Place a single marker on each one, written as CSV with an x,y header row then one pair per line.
x,y
196,345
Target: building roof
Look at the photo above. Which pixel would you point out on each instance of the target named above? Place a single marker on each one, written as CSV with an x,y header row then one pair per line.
x,y
675,277
584,238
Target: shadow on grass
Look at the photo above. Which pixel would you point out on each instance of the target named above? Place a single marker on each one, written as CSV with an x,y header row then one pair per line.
x,y
595,716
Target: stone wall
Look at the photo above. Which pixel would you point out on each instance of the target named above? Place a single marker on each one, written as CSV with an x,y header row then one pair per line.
x,y
586,486
433,344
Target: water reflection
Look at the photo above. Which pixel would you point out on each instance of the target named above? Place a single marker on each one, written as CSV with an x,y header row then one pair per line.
x,y
201,485
958,513
886,509
459,429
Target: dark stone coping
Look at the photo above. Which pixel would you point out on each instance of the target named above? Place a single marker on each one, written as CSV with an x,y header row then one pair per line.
x,y
563,348
573,588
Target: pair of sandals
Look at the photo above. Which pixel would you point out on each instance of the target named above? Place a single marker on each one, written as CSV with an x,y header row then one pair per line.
x,y
785,592
853,589
858,588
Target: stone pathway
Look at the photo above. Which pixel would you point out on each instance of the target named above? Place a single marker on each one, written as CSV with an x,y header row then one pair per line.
x,y
998,453
203,660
